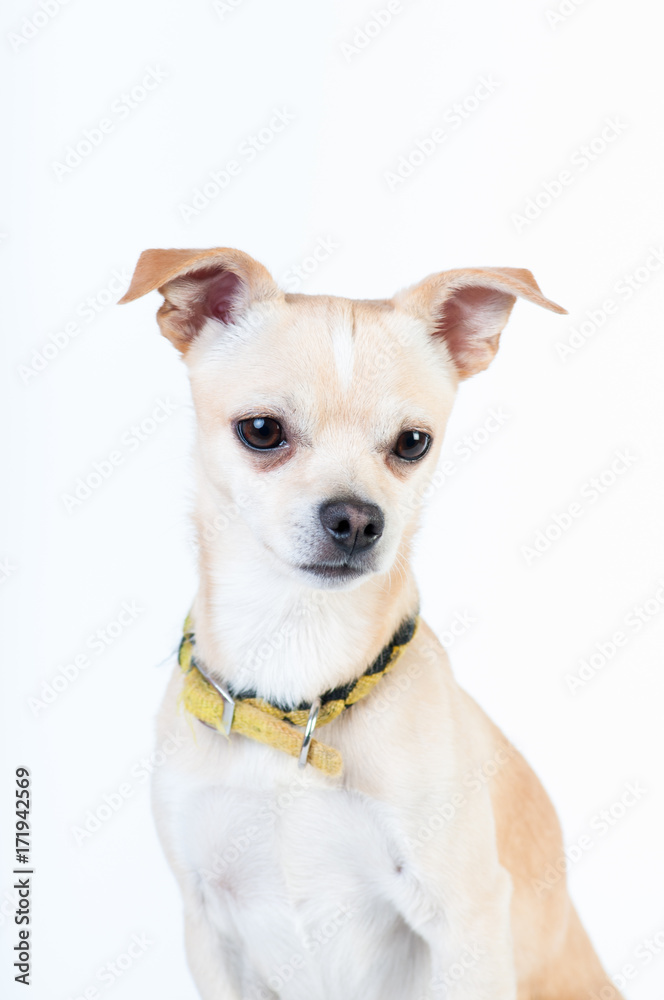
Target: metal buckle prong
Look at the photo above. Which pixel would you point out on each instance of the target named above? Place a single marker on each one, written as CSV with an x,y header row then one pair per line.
x,y
229,703
308,732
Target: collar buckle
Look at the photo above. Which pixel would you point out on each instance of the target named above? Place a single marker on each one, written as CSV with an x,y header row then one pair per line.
x,y
228,700
308,732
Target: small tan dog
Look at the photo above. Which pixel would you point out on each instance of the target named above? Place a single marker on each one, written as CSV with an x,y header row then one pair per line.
x,y
397,846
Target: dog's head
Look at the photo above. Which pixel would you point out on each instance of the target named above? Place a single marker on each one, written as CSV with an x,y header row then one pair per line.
x,y
319,416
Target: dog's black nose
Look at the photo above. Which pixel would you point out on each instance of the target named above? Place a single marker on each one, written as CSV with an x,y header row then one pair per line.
x,y
354,526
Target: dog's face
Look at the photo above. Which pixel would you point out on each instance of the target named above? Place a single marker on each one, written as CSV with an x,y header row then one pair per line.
x,y
320,419
322,416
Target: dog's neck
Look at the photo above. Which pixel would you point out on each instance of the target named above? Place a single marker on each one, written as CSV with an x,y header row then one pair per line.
x,y
260,629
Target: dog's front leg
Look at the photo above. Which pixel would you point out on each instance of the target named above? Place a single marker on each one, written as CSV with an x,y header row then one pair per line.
x,y
456,895
471,954
210,957
473,959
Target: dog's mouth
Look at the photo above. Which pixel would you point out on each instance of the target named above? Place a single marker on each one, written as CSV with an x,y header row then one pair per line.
x,y
334,571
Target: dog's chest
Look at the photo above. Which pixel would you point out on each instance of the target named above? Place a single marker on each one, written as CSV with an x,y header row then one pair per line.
x,y
309,886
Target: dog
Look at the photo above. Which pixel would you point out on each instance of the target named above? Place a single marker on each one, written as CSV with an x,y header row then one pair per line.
x,y
344,821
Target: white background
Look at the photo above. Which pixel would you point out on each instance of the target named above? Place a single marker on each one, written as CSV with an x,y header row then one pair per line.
x,y
355,113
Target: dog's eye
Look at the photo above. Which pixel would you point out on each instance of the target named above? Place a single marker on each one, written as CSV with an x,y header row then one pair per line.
x,y
412,445
261,432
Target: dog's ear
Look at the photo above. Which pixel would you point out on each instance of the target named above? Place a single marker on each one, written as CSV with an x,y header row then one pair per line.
x,y
469,307
217,284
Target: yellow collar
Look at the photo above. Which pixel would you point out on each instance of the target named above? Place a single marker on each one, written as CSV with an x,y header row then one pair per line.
x,y
261,720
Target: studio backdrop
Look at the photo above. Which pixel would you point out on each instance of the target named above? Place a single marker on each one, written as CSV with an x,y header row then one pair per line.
x,y
353,149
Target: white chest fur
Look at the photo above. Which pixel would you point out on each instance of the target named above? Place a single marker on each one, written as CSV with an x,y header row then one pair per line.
x,y
307,886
